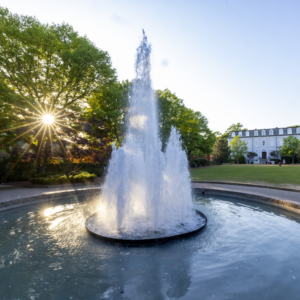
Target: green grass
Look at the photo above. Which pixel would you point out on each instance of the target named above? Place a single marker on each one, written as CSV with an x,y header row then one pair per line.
x,y
272,175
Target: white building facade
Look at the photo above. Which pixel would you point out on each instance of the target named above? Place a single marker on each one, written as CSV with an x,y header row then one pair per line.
x,y
264,141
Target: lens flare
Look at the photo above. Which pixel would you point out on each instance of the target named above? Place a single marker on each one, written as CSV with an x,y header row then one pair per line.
x,y
48,119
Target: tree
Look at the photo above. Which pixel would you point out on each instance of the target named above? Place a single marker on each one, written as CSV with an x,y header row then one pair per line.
x,y
110,106
289,147
221,151
298,151
46,70
275,154
192,125
251,155
238,148
233,127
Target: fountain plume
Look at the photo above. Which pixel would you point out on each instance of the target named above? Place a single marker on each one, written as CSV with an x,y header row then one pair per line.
x,y
146,189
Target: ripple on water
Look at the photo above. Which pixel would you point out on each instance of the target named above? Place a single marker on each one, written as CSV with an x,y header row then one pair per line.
x,y
247,251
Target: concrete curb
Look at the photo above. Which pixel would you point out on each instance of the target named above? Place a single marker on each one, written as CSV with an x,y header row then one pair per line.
x,y
46,197
248,184
284,204
12,186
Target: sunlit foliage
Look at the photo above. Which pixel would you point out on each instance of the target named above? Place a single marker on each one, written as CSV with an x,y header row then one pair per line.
x,y
47,70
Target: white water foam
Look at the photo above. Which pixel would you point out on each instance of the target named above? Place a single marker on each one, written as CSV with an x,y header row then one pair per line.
x,y
146,190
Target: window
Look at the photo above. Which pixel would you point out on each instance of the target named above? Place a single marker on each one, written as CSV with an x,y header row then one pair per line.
x,y
281,142
233,134
240,134
247,133
280,131
255,133
271,142
298,130
271,132
256,143
264,143
263,132
289,130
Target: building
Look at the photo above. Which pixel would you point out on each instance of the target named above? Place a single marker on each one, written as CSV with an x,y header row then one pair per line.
x,y
264,141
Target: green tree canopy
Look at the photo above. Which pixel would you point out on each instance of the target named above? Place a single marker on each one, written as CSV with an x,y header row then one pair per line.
x,y
251,155
233,127
289,147
221,151
238,148
110,106
192,125
46,69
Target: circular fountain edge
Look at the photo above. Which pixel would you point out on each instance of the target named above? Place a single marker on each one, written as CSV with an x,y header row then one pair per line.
x,y
152,241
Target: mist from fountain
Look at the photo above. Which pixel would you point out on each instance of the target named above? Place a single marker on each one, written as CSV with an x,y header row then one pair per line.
x,y
146,190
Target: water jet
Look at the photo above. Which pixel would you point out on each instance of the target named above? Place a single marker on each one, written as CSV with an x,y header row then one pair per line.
x,y
147,192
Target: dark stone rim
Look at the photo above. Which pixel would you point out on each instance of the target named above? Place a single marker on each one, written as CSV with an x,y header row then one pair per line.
x,y
148,241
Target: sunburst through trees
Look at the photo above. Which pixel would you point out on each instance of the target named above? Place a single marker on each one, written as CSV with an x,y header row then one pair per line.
x,y
48,74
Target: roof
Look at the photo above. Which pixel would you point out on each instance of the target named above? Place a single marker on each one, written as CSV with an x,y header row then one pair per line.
x,y
295,131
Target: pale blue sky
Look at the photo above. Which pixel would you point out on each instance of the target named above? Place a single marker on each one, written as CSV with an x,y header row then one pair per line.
x,y
235,61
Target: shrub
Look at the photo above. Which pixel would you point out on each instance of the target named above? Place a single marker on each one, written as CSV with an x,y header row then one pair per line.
x,y
20,171
97,169
59,179
242,159
23,171
199,162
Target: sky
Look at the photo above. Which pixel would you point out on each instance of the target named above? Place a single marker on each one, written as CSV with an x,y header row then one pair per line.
x,y
232,60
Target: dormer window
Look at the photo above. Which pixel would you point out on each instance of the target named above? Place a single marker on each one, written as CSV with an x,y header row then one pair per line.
x,y
233,134
271,132
240,134
289,130
255,133
280,131
298,130
247,133
263,132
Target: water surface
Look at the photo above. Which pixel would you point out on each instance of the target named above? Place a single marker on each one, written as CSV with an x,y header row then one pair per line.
x,y
247,251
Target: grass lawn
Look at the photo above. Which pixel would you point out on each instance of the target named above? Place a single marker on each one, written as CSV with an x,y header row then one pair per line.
x,y
256,174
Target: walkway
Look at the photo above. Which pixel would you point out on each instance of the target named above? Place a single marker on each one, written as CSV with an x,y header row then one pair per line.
x,y
13,192
12,196
20,195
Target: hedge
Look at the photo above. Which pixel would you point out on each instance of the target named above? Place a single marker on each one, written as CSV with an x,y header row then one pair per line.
x,y
24,171
59,179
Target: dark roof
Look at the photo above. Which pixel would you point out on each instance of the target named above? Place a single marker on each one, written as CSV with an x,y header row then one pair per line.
x,y
275,131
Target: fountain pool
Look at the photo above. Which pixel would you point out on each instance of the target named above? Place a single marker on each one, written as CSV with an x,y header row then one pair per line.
x,y
247,251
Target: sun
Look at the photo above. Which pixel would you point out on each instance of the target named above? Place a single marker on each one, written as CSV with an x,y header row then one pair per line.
x,y
48,119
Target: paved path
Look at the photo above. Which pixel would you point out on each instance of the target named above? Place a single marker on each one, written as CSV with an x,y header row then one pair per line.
x,y
266,192
13,193
18,195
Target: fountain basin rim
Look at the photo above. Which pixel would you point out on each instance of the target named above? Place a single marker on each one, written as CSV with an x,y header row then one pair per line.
x,y
151,241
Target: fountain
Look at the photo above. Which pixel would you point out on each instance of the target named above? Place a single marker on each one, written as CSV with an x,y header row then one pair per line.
x,y
147,194
248,251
